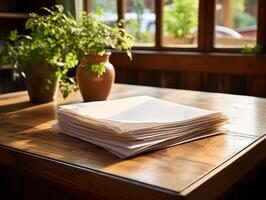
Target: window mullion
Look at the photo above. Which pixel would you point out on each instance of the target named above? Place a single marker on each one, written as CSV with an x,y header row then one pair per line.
x,y
159,4
261,24
206,25
88,6
121,7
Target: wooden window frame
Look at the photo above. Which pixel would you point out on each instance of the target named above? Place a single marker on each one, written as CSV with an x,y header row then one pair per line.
x,y
206,27
205,58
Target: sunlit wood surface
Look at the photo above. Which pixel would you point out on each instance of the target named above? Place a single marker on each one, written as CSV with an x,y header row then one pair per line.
x,y
208,166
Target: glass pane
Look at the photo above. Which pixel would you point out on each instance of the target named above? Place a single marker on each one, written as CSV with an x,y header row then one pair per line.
x,y
109,10
180,23
235,23
140,21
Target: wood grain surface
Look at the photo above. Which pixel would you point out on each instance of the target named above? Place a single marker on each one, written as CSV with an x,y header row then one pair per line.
x,y
29,144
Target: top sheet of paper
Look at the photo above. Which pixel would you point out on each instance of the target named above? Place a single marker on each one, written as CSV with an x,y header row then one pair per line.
x,y
141,109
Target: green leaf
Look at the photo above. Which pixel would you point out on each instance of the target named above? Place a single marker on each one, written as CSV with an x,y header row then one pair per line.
x,y
71,60
99,11
98,69
13,35
252,49
60,8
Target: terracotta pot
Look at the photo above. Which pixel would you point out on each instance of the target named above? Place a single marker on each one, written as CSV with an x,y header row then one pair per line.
x,y
36,81
92,86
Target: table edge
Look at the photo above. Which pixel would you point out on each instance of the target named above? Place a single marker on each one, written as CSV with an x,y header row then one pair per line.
x,y
255,149
23,161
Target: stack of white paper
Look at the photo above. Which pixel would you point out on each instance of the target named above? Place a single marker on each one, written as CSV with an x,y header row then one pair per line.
x,y
133,125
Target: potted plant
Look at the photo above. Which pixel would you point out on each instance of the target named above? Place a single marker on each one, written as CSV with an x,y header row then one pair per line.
x,y
43,56
95,74
55,44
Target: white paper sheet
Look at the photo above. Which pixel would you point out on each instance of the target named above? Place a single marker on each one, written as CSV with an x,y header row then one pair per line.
x,y
133,125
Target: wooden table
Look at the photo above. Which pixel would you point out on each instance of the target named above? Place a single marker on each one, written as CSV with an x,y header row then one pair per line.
x,y
32,154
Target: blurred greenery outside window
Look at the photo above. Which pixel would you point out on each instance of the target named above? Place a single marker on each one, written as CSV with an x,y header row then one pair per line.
x,y
236,23
180,23
139,18
180,20
109,8
140,21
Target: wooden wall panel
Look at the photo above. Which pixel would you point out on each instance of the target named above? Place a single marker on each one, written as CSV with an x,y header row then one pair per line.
x,y
217,63
234,84
170,79
256,86
150,78
216,72
191,80
238,85
132,76
213,83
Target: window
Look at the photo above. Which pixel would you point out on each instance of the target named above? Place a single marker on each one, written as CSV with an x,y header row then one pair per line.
x,y
236,23
198,57
140,21
109,8
180,20
190,25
